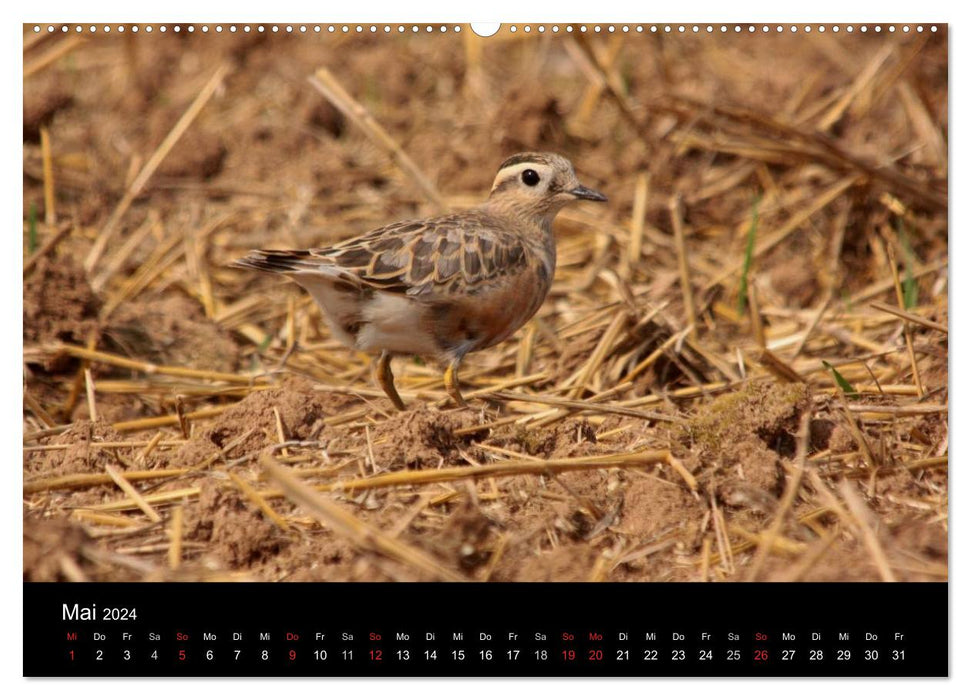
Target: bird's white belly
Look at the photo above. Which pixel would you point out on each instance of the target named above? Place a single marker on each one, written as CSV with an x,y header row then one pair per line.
x,y
396,324
381,322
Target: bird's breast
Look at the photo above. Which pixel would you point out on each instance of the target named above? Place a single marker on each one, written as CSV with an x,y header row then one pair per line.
x,y
489,315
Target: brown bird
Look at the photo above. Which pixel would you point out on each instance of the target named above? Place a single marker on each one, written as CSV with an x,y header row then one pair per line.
x,y
445,286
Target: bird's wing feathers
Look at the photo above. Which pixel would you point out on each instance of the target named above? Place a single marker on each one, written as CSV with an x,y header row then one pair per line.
x,y
419,258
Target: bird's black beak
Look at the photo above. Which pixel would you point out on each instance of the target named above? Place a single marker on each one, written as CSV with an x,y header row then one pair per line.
x,y
581,192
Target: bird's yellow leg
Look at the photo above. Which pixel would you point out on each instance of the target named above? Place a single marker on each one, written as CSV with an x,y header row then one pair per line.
x,y
452,384
382,371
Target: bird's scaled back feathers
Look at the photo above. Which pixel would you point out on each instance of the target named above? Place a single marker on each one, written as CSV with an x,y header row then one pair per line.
x,y
447,285
447,255
438,287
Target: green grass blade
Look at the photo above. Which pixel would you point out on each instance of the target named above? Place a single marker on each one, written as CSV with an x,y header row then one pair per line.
x,y
841,381
909,284
749,250
32,229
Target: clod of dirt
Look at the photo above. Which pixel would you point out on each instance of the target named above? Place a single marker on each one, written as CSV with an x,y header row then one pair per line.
x,y
761,413
47,544
821,434
420,438
197,155
841,440
321,114
750,430
301,413
238,533
462,539
172,331
59,306
742,494
567,438
41,102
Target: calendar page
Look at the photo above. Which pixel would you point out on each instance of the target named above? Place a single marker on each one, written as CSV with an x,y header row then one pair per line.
x,y
539,349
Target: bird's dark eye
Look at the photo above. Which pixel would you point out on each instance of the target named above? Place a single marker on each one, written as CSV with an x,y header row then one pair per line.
x,y
530,178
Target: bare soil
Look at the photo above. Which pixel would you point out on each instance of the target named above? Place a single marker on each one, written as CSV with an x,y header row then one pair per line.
x,y
145,353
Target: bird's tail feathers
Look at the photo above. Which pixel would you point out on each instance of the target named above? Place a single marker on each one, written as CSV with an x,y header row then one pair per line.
x,y
282,261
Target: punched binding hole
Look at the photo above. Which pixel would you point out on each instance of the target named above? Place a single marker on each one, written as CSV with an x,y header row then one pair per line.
x,y
485,29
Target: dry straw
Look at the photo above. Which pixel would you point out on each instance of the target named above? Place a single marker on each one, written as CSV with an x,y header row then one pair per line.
x,y
641,336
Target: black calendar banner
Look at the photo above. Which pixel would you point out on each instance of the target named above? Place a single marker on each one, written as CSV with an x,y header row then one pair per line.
x,y
647,630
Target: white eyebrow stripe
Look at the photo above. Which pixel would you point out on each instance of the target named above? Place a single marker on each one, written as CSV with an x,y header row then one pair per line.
x,y
514,171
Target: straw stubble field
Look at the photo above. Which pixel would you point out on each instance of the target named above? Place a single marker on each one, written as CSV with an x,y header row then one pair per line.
x,y
740,373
